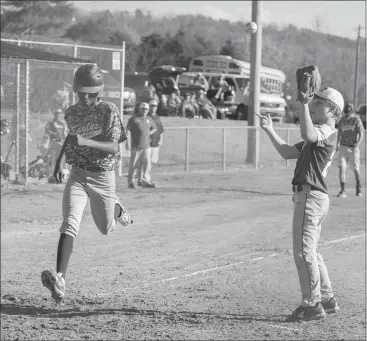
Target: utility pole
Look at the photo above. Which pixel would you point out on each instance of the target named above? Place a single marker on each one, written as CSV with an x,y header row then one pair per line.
x,y
355,99
254,100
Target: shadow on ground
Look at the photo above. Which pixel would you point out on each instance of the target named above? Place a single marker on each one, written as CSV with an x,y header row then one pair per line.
x,y
27,310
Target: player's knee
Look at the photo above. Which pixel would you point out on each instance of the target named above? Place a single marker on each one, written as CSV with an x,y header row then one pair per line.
x,y
108,228
70,228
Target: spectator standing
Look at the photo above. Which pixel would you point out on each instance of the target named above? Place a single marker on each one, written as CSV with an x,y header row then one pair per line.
x,y
57,131
140,127
350,135
155,142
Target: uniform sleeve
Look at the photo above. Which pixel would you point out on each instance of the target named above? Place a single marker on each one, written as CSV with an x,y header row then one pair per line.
x,y
360,127
128,124
299,145
160,123
323,132
115,130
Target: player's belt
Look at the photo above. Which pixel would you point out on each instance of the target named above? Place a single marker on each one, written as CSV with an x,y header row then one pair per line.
x,y
89,168
347,145
300,188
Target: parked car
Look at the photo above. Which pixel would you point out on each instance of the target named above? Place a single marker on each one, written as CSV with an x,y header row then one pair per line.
x,y
111,93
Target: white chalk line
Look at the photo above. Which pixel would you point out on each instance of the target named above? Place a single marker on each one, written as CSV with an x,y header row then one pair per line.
x,y
342,239
201,272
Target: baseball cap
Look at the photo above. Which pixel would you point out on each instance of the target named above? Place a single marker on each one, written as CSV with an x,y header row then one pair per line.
x,y
153,103
144,105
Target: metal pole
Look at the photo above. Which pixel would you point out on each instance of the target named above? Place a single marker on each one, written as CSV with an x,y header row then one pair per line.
x,y
224,148
254,100
122,90
288,142
17,131
26,118
75,55
355,99
187,149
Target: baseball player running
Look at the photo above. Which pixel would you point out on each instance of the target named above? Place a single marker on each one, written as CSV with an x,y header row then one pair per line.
x,y
350,135
311,201
92,148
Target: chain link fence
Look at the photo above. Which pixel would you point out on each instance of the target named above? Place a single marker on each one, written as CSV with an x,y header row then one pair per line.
x,y
205,148
32,91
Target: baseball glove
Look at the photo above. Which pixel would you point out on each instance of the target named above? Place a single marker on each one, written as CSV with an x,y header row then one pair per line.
x,y
308,82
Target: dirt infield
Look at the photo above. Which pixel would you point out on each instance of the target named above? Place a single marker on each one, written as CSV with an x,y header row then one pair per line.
x,y
207,258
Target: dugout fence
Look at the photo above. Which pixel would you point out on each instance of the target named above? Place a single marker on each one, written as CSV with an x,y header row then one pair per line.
x,y
32,89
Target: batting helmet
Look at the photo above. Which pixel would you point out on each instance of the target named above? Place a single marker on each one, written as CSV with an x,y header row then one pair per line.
x,y
348,108
333,96
88,79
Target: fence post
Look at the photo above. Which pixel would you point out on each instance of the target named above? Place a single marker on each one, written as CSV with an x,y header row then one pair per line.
x,y
224,148
122,89
17,130
26,118
187,149
288,142
75,55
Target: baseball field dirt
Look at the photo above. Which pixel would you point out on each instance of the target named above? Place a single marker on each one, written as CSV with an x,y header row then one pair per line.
x,y
207,258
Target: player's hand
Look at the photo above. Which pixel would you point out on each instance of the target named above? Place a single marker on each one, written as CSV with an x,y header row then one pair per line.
x,y
265,121
127,146
355,147
58,173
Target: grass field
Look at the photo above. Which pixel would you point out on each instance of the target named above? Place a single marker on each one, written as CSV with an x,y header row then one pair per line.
x,y
207,258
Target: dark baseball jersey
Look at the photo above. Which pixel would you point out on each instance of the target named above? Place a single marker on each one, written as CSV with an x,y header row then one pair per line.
x,y
100,122
140,128
315,159
349,129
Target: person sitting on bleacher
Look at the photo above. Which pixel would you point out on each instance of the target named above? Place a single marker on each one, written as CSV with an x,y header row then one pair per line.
x,y
173,104
187,107
206,107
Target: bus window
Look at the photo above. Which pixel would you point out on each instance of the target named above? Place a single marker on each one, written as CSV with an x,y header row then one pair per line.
x,y
230,81
242,83
196,70
215,63
198,62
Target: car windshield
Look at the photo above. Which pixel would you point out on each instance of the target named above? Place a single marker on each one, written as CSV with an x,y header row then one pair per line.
x,y
135,81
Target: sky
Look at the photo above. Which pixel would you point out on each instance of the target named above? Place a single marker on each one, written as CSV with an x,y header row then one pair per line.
x,y
339,18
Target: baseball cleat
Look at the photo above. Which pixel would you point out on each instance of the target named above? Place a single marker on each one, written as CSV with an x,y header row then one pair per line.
x,y
342,194
307,313
140,183
55,283
124,219
358,192
331,306
148,185
132,186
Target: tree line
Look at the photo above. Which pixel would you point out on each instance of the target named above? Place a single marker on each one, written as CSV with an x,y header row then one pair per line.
x,y
152,40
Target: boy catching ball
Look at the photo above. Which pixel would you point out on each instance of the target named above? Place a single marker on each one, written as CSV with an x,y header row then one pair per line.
x,y
319,112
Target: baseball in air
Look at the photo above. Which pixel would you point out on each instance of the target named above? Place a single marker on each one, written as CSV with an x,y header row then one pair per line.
x,y
251,27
